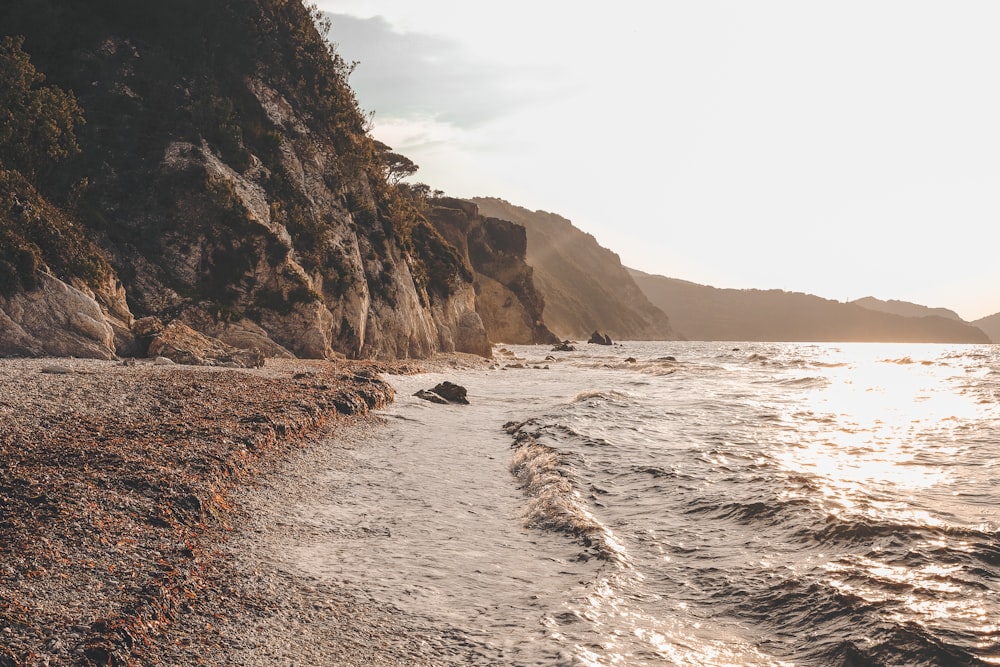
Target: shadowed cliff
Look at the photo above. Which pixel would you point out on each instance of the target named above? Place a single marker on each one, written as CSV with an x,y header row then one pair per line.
x,y
213,167
506,299
584,285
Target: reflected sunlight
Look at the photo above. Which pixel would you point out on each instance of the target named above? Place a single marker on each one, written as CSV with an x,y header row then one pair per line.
x,y
871,425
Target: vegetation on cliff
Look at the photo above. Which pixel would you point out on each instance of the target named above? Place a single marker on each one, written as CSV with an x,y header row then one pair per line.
x,y
213,157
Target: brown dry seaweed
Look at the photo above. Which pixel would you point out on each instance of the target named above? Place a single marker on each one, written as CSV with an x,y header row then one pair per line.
x,y
115,479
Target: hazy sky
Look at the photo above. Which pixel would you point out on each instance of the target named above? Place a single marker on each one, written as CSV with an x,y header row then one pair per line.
x,y
844,149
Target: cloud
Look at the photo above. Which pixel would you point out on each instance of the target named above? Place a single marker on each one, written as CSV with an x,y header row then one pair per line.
x,y
420,76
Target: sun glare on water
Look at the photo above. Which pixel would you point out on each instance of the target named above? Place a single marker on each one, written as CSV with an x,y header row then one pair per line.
x,y
874,441
882,421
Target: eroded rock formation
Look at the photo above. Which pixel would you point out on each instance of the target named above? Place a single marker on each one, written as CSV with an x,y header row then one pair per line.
x,y
505,296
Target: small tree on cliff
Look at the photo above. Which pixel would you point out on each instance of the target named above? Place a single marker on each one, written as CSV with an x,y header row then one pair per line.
x,y
36,122
395,166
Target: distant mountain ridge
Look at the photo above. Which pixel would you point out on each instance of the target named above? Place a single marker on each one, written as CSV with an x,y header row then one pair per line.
x,y
905,308
584,285
991,325
700,312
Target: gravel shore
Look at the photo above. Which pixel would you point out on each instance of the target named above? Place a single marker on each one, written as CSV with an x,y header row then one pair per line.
x,y
136,516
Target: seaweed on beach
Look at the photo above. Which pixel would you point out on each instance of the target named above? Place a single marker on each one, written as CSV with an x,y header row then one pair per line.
x,y
116,481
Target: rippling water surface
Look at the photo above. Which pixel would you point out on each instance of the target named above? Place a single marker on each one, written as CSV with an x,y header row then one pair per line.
x,y
686,503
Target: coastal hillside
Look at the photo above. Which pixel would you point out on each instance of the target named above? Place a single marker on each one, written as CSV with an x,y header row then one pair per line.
x,y
206,164
990,325
584,285
905,308
506,298
700,312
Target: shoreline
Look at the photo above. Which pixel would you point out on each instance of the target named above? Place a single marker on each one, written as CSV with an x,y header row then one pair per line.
x,y
128,499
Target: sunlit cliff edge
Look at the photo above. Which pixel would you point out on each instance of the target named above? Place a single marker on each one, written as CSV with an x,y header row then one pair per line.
x,y
584,285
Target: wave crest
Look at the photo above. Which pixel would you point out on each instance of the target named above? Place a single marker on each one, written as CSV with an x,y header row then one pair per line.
x,y
554,503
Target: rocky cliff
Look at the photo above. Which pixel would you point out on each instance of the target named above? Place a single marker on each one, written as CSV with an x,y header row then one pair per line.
x,y
220,174
584,285
506,299
701,312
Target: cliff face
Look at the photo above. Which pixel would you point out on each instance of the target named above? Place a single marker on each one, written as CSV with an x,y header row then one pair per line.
x,y
584,285
74,305
709,313
224,178
506,299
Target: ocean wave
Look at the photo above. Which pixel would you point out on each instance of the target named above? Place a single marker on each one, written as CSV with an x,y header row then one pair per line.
x,y
859,630
809,381
980,544
907,361
773,512
606,395
554,504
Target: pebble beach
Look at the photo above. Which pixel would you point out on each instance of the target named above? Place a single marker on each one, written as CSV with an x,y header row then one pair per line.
x,y
136,523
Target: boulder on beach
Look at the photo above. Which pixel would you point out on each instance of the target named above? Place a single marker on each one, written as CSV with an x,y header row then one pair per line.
x,y
445,392
183,345
429,395
600,339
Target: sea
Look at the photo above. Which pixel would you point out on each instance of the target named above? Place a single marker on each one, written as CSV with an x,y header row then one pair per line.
x,y
685,503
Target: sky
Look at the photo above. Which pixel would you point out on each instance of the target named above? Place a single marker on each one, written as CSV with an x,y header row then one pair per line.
x,y
843,149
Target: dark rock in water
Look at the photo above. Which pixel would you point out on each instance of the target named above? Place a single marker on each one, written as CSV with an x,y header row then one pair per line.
x,y
630,360
451,392
600,339
564,347
446,392
430,396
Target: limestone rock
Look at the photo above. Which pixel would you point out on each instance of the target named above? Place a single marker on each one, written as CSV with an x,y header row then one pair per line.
x,y
243,333
183,345
471,335
54,319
